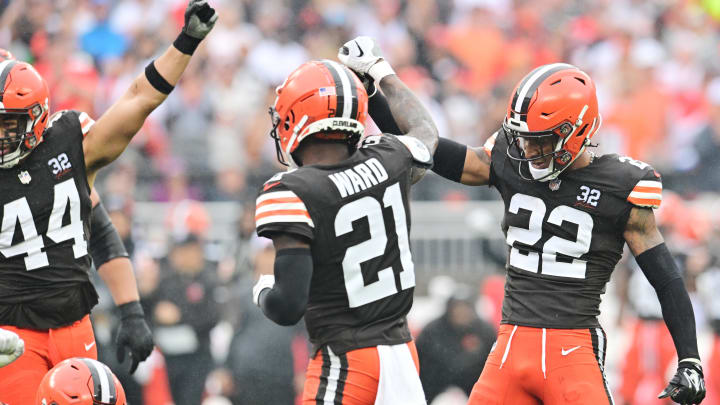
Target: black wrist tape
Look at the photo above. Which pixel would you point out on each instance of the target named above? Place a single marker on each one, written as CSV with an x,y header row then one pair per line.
x,y
450,159
186,44
156,80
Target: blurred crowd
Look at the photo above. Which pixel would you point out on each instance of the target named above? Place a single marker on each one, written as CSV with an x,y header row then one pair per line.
x,y
655,64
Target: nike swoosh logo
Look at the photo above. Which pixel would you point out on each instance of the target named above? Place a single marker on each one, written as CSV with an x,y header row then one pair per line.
x,y
566,352
359,49
270,185
89,346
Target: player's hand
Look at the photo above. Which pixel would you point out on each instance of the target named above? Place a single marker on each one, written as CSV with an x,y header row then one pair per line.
x,y
687,386
11,347
265,281
133,335
199,19
364,57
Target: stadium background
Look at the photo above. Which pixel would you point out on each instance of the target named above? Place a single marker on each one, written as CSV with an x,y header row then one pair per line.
x,y
193,170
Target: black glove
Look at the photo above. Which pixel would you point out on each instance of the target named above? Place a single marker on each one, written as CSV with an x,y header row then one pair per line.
x,y
687,386
199,19
134,334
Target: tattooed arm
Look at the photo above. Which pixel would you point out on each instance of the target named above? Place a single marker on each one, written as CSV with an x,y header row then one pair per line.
x,y
411,117
364,57
658,265
641,233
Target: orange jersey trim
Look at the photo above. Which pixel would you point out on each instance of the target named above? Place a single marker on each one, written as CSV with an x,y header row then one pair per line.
x,y
282,212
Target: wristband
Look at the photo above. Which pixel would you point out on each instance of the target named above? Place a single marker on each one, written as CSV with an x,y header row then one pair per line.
x,y
130,310
379,70
156,80
450,159
186,44
266,281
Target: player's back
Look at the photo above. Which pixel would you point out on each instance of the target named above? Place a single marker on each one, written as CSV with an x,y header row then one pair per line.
x,y
356,215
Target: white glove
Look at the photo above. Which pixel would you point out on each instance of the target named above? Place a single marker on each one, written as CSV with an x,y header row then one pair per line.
x,y
11,347
265,281
363,55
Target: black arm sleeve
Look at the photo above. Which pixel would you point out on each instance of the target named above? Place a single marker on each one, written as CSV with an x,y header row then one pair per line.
x,y
105,242
450,159
379,111
285,303
660,269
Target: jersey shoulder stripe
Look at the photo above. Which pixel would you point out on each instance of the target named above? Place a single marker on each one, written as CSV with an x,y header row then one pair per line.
x,y
646,193
490,144
281,207
85,123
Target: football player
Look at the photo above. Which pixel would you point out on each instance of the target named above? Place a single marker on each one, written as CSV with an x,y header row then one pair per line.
x,y
568,214
111,260
339,220
47,169
80,381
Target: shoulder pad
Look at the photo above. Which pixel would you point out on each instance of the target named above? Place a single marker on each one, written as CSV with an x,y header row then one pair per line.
x,y
420,153
83,118
647,184
490,143
280,205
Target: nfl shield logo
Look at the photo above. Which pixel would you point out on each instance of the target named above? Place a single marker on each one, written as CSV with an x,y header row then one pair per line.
x,y
554,185
24,177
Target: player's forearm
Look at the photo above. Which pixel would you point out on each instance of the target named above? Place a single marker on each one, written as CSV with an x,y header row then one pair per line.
x,y
119,277
380,113
286,301
462,164
679,317
659,267
411,117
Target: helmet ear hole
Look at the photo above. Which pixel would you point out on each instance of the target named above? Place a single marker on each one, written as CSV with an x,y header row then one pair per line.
x,y
582,130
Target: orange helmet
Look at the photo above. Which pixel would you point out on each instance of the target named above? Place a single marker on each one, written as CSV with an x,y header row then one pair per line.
x,y
556,100
80,381
23,111
321,98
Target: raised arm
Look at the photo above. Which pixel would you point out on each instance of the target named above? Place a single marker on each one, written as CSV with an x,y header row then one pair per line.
x,y
463,164
454,161
115,128
364,57
647,245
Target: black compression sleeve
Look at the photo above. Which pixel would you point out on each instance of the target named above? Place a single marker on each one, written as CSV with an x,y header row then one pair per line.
x,y
105,242
379,111
285,303
660,269
450,159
